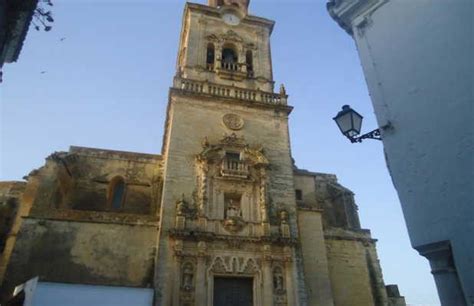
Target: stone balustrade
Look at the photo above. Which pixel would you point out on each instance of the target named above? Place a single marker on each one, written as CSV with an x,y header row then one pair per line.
x,y
200,87
232,66
210,67
235,168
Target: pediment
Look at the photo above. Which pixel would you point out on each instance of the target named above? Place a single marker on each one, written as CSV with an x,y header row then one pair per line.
x,y
231,36
252,155
212,38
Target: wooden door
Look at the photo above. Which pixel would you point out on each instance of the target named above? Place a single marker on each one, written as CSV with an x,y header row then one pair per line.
x,y
233,291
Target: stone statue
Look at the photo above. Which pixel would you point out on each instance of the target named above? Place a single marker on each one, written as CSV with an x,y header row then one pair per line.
x,y
233,209
187,277
283,217
278,282
181,206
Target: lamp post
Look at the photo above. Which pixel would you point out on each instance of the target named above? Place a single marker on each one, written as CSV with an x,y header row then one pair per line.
x,y
349,122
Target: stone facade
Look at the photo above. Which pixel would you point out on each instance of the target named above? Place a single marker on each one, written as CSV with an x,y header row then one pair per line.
x,y
10,198
223,203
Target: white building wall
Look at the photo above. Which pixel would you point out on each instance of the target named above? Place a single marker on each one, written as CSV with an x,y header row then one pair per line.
x,y
38,293
418,60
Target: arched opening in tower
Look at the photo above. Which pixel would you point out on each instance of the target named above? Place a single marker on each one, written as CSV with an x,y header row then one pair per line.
x,y
229,58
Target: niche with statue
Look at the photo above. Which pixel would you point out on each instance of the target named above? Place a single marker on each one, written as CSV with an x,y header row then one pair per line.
x,y
232,183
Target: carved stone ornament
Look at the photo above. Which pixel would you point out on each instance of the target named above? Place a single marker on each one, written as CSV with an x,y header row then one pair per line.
x,y
233,224
181,206
250,46
187,278
234,265
229,36
233,121
185,208
278,281
212,165
212,38
233,140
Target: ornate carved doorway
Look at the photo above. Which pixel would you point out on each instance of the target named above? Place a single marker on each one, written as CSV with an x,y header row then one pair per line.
x,y
233,291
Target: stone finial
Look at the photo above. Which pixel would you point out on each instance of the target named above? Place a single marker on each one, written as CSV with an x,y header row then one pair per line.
x,y
282,90
241,4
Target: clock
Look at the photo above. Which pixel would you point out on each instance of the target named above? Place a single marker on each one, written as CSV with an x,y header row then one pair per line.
x,y
231,19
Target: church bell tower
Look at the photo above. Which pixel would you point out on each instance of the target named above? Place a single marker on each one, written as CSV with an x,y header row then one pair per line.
x,y
228,211
222,44
222,217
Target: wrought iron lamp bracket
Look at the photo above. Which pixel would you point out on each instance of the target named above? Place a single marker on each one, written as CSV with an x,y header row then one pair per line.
x,y
375,134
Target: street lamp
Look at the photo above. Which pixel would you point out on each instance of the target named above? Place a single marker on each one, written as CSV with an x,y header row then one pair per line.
x,y
349,122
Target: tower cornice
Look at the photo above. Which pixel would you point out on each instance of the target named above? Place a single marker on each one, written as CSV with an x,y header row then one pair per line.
x,y
216,12
352,13
234,93
274,100
230,100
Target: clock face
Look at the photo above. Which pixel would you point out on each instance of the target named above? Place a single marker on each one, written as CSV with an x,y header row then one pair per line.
x,y
231,19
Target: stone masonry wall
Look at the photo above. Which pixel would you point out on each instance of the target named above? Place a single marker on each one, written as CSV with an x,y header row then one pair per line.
x,y
192,119
314,258
349,273
86,253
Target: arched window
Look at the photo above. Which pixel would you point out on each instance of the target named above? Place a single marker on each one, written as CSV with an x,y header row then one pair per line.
x,y
249,62
116,193
229,58
211,54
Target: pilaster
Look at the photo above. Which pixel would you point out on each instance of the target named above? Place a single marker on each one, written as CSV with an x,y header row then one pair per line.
x,y
444,271
267,277
353,13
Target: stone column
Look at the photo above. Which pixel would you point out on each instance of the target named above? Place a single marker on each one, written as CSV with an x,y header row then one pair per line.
x,y
201,277
267,277
444,271
263,202
177,279
290,278
241,59
217,55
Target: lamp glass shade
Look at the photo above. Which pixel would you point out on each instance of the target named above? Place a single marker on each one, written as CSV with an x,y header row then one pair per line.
x,y
349,121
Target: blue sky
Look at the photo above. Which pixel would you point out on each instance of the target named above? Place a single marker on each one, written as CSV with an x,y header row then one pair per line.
x,y
100,78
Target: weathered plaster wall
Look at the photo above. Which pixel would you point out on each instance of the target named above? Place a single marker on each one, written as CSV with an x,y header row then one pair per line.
x,y
417,60
87,253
